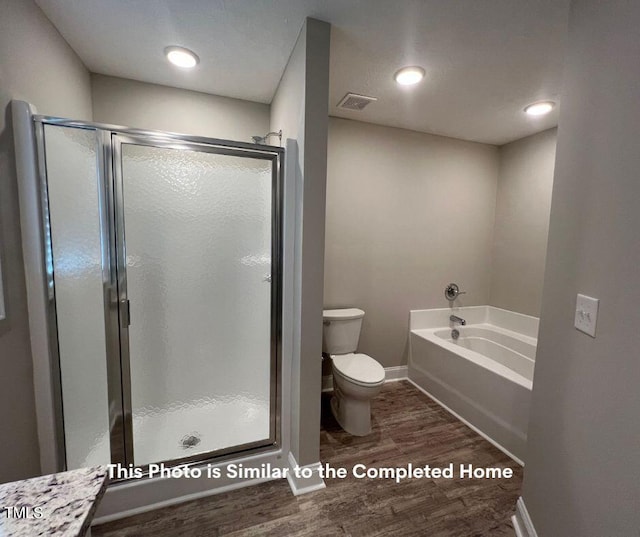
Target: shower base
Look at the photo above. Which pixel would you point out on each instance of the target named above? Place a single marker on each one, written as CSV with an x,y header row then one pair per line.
x,y
191,428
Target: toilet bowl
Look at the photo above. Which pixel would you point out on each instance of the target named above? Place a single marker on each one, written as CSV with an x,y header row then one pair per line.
x,y
357,378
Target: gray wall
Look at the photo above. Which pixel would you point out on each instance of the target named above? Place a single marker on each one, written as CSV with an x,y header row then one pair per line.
x,y
582,467
522,222
299,108
407,213
148,106
36,65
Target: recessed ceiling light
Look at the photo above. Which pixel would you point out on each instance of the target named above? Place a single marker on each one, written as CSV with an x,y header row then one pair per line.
x,y
182,57
407,76
540,108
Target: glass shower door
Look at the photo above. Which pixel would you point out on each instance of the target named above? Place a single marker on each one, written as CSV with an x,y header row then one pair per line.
x,y
196,240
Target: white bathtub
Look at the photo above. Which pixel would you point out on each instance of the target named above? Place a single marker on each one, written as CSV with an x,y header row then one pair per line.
x,y
484,377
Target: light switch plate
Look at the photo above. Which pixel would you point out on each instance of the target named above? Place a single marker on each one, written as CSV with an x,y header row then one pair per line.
x,y
586,314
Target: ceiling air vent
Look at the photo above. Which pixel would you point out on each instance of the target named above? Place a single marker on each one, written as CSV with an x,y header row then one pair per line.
x,y
353,101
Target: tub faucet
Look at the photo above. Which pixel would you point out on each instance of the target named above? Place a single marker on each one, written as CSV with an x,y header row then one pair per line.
x,y
456,319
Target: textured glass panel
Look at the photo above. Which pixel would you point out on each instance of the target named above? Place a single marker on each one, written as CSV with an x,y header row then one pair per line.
x,y
77,263
198,242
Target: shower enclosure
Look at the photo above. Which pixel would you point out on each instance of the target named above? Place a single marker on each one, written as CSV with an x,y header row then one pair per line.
x,y
163,265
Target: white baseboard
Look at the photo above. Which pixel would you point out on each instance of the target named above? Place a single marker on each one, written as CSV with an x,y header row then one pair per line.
x,y
517,527
302,485
399,372
468,424
522,521
391,374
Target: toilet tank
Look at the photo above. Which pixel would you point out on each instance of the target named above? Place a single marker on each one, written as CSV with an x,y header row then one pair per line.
x,y
341,330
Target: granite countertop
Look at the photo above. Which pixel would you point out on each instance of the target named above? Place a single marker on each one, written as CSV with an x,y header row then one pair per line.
x,y
57,505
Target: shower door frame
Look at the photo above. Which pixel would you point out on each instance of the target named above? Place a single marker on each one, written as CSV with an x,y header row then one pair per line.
x,y
117,141
109,139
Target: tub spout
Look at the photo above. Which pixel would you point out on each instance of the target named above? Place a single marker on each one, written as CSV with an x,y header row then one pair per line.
x,y
456,319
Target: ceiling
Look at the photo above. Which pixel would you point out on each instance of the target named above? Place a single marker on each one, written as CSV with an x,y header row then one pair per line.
x,y
485,59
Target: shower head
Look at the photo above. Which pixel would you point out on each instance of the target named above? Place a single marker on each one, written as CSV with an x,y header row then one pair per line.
x,y
263,139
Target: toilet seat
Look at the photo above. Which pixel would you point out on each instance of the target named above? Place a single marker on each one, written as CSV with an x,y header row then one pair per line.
x,y
359,369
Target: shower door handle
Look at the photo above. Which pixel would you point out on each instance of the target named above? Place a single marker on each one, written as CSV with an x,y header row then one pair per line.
x,y
125,312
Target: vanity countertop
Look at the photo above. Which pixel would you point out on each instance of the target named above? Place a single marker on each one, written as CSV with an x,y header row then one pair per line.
x,y
56,505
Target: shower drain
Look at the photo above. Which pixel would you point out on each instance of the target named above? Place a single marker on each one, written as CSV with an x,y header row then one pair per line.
x,y
190,440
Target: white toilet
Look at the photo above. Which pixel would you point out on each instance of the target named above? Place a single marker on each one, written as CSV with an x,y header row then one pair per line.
x,y
356,377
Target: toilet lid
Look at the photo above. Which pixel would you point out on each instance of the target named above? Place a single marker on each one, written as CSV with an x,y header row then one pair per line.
x,y
359,367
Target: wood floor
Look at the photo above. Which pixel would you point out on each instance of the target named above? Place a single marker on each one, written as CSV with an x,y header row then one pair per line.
x,y
408,428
